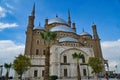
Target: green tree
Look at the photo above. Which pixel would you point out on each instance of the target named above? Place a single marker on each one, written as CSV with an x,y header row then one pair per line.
x,y
7,67
48,38
21,64
96,65
77,57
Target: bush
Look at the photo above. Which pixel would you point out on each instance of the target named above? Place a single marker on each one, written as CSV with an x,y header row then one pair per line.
x,y
53,77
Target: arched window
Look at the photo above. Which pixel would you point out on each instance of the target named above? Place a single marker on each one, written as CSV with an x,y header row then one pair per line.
x,y
83,59
43,72
64,59
37,51
65,72
43,52
37,42
84,72
35,73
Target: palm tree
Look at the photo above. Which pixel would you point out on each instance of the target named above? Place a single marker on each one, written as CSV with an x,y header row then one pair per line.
x,y
77,57
7,66
48,37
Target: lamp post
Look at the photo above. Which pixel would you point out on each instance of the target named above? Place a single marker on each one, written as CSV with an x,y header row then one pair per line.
x,y
1,69
116,69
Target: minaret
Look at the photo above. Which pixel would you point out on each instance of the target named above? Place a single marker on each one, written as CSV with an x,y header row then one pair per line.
x,y
29,32
96,45
69,20
96,42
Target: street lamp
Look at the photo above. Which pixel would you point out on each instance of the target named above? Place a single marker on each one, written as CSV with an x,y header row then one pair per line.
x,y
116,68
1,69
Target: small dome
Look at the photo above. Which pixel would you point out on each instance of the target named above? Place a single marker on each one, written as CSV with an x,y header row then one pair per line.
x,y
68,39
38,27
84,34
62,28
56,20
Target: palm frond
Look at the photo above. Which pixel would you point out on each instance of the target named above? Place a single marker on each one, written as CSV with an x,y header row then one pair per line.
x,y
53,35
80,55
74,55
42,35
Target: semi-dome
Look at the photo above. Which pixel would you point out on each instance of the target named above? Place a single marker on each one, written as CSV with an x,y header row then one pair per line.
x,y
85,34
56,20
68,39
62,28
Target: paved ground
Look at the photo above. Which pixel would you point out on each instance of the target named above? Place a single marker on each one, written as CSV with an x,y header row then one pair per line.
x,y
92,79
103,79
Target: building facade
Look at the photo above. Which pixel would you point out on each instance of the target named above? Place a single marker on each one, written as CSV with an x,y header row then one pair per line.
x,y
68,42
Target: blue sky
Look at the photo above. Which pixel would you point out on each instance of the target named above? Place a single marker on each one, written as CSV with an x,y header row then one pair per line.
x,y
104,13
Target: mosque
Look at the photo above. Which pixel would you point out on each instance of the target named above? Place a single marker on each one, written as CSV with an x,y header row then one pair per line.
x,y
68,42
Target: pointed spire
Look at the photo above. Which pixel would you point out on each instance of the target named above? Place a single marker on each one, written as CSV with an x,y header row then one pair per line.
x,y
68,14
33,11
69,20
83,29
39,24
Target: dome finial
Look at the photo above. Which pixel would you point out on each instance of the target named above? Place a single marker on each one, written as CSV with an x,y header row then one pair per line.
x,y
56,15
93,24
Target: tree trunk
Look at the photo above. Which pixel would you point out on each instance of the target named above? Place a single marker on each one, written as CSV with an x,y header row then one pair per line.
x,y
20,76
78,71
47,63
6,77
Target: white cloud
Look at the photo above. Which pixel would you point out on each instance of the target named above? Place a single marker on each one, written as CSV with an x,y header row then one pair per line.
x,y
111,52
9,6
7,25
9,50
2,12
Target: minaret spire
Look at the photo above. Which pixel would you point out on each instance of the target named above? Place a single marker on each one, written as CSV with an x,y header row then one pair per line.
x,y
83,29
33,11
69,20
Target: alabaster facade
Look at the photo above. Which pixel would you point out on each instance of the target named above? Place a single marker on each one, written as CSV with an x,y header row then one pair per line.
x,y
68,42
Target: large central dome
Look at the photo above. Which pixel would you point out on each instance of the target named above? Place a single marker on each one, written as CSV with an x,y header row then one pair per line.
x,y
57,20
68,39
62,28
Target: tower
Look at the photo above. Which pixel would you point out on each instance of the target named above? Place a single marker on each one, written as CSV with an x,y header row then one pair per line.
x,y
29,32
96,43
97,47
